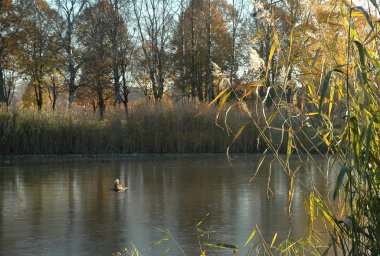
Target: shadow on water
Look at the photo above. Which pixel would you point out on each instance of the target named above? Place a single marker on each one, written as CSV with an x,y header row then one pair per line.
x,y
69,208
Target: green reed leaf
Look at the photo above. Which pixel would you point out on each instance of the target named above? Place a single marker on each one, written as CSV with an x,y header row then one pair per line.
x,y
362,53
273,240
250,237
325,86
240,131
166,251
315,57
339,181
222,246
355,137
368,141
365,13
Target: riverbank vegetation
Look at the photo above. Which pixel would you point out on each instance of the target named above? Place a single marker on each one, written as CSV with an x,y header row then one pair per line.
x,y
150,128
161,127
349,72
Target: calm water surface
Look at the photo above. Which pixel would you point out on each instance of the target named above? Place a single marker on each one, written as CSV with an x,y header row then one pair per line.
x,y
68,207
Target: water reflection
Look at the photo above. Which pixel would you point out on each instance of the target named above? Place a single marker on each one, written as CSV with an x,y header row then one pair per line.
x,y
69,208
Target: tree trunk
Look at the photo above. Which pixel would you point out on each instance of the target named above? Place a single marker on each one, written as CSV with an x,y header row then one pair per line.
x,y
71,66
126,91
183,84
38,93
209,66
2,80
116,83
72,86
71,10
161,79
125,102
161,49
233,53
193,68
199,88
9,91
154,84
40,101
101,102
2,86
54,101
72,92
115,53
160,87
53,97
53,94
94,107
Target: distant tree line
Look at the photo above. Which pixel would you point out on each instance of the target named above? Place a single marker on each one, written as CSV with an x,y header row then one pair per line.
x,y
93,52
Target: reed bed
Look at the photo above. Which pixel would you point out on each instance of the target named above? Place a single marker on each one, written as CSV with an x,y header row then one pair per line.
x,y
164,127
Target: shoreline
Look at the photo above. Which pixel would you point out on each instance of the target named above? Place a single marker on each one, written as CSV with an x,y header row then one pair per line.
x,y
9,159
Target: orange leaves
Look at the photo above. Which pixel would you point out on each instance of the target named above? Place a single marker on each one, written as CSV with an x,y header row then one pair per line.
x,y
43,5
6,5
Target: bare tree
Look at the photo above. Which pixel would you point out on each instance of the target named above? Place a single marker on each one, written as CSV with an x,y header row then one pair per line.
x,y
236,15
123,49
9,87
55,87
206,40
70,11
193,50
116,32
10,17
182,76
126,53
95,26
154,20
209,64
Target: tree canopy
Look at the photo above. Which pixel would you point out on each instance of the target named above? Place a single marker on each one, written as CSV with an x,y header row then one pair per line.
x,y
95,52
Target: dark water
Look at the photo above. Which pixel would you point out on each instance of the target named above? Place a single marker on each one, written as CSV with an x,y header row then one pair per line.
x,y
68,207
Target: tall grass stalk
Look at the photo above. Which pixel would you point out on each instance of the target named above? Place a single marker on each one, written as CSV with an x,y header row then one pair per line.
x,y
353,143
161,127
150,128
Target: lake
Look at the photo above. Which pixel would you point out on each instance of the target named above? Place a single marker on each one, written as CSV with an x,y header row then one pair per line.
x,y
68,207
